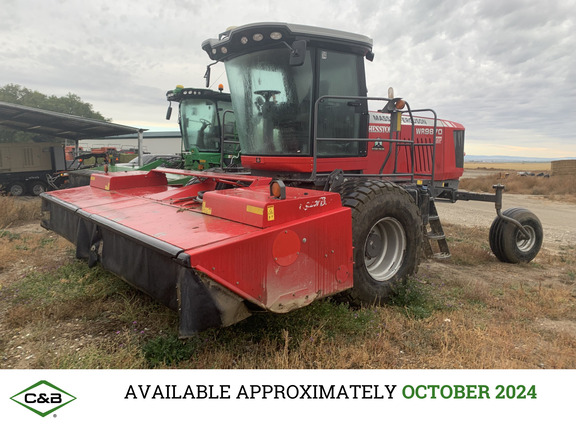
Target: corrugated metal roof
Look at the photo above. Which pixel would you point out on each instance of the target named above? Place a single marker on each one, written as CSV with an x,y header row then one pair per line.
x,y
56,124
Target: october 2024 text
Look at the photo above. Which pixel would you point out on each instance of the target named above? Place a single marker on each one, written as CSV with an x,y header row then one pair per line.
x,y
334,391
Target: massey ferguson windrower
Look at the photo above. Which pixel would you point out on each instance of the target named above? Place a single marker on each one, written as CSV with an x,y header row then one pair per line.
x,y
335,199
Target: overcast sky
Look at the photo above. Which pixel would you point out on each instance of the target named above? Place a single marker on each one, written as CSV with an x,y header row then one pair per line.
x,y
506,69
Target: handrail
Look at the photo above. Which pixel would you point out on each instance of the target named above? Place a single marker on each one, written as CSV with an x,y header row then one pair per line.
x,y
396,141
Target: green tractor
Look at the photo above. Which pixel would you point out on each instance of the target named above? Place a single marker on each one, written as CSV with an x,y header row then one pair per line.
x,y
206,120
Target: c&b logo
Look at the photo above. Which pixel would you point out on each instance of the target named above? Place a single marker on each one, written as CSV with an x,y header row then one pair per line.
x,y
43,398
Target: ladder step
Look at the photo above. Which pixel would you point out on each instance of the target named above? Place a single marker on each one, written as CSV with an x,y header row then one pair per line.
x,y
441,255
436,236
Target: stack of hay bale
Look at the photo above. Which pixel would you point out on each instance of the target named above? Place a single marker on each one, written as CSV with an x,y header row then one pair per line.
x,y
564,167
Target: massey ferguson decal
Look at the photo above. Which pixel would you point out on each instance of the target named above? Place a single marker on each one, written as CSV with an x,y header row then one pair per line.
x,y
418,121
419,130
424,128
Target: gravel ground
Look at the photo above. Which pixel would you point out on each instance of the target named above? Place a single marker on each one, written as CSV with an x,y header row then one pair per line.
x,y
558,219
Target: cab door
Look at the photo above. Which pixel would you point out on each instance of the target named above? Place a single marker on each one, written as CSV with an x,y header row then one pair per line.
x,y
341,74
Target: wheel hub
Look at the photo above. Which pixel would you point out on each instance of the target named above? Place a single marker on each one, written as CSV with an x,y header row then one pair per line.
x,y
523,243
374,245
384,249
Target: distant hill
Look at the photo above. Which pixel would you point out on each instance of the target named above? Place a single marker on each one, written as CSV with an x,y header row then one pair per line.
x,y
517,159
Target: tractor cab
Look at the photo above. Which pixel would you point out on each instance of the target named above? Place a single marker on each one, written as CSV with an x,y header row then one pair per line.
x,y
207,126
277,72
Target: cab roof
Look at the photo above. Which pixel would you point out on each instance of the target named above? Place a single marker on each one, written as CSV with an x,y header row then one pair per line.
x,y
263,35
181,93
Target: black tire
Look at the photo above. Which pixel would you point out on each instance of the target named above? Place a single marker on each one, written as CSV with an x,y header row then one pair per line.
x,y
507,242
38,187
387,238
16,189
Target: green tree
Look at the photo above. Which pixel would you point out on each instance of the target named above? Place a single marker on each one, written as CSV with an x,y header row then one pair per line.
x,y
69,104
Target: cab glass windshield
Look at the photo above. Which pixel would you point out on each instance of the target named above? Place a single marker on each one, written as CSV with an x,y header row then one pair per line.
x,y
199,124
272,102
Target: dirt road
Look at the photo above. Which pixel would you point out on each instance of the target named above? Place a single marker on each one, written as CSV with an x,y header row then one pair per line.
x,y
558,219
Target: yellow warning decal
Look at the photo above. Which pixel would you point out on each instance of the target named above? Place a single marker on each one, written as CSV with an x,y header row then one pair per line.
x,y
92,178
255,210
206,210
107,187
270,213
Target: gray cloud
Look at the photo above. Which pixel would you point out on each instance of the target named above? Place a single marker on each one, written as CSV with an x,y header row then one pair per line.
x,y
506,70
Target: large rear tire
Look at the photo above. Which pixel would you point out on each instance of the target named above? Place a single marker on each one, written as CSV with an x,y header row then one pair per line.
x,y
386,235
507,241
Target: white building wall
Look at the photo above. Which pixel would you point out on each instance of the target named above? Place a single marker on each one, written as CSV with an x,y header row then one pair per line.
x,y
150,144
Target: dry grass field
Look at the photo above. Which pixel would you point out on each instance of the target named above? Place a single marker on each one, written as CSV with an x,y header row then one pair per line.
x,y
512,166
560,188
467,312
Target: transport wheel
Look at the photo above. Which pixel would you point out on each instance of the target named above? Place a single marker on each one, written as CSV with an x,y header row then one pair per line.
x,y
38,187
507,241
386,235
17,189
